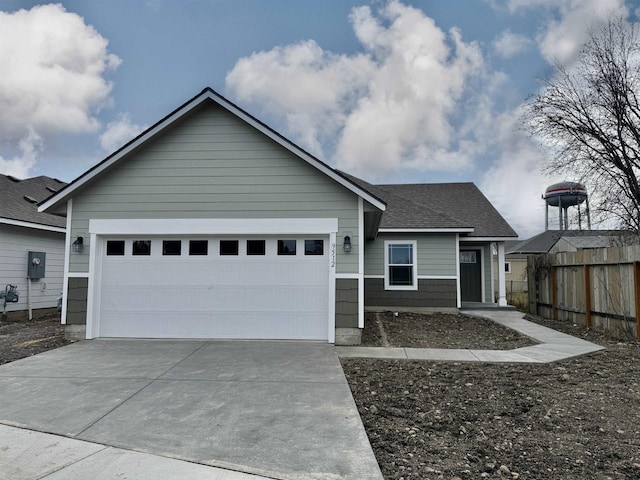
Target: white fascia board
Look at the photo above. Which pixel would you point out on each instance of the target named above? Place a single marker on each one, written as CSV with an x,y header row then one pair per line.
x,y
485,239
213,226
425,230
209,95
37,226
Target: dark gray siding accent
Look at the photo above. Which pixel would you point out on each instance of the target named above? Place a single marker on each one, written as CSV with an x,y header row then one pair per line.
x,y
431,293
77,301
346,303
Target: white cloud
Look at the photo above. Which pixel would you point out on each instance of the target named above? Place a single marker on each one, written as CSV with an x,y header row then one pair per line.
x,y
567,29
387,108
29,147
509,44
119,132
53,67
514,183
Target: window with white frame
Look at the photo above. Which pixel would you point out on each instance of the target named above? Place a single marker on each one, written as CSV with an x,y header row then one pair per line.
x,y
400,268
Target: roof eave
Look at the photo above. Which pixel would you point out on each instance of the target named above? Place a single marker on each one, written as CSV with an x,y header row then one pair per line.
x,y
37,226
426,230
487,239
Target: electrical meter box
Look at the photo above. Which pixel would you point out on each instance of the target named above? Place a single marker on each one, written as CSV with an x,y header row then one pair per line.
x,y
36,264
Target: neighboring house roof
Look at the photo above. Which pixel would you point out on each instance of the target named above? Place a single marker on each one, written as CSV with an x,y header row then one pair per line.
x,y
457,207
19,202
591,241
206,95
543,242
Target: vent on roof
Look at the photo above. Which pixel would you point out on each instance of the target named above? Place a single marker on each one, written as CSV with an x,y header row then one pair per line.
x,y
51,189
30,199
13,179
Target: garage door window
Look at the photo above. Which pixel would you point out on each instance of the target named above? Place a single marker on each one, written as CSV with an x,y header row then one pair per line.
x,y
256,247
314,247
141,247
171,247
198,247
115,247
228,247
286,247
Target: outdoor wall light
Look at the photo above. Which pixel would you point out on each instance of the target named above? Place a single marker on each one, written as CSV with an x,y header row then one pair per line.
x,y
78,245
346,246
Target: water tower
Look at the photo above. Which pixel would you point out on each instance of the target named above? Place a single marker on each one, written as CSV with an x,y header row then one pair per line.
x,y
564,195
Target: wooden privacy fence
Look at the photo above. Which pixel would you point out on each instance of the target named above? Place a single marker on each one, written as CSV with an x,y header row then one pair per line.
x,y
598,288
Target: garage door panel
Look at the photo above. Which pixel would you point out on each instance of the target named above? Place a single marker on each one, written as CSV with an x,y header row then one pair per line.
x,y
214,296
226,298
239,325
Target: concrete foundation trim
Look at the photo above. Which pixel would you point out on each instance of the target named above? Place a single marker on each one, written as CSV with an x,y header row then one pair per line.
x,y
75,332
348,336
431,293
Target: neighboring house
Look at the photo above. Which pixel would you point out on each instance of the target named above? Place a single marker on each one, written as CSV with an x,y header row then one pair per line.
x,y
515,269
23,230
212,225
553,241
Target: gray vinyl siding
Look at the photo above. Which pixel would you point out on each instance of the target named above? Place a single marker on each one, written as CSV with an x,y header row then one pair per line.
x,y
15,245
213,165
436,254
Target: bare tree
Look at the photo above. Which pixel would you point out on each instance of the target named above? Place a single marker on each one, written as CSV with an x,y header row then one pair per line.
x,y
588,115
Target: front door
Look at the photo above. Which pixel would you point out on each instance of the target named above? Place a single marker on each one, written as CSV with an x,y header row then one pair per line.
x,y
470,276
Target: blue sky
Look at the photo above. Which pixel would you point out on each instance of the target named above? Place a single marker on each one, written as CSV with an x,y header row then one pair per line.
x,y
411,91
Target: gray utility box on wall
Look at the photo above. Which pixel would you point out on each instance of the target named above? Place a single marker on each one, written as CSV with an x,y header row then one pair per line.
x,y
36,264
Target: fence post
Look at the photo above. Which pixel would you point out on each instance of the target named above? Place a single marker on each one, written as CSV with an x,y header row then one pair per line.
x,y
587,295
636,291
554,293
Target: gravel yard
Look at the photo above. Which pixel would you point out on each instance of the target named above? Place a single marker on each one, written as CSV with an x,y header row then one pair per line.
x,y
576,419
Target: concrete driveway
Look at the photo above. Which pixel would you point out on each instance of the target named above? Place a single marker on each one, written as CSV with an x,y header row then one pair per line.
x,y
281,410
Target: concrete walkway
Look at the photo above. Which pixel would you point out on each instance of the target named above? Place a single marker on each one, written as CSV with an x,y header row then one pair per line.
x,y
553,345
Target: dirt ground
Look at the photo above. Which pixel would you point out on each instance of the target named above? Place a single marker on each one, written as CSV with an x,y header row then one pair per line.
x,y
574,419
19,339
439,331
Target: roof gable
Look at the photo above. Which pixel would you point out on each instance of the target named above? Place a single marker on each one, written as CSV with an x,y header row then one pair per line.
x,y
207,95
19,198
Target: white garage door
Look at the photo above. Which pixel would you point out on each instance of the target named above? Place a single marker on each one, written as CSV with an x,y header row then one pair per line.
x,y
225,287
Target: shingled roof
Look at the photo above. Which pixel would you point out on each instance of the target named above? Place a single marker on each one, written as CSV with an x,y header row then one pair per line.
x,y
19,200
453,206
543,242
